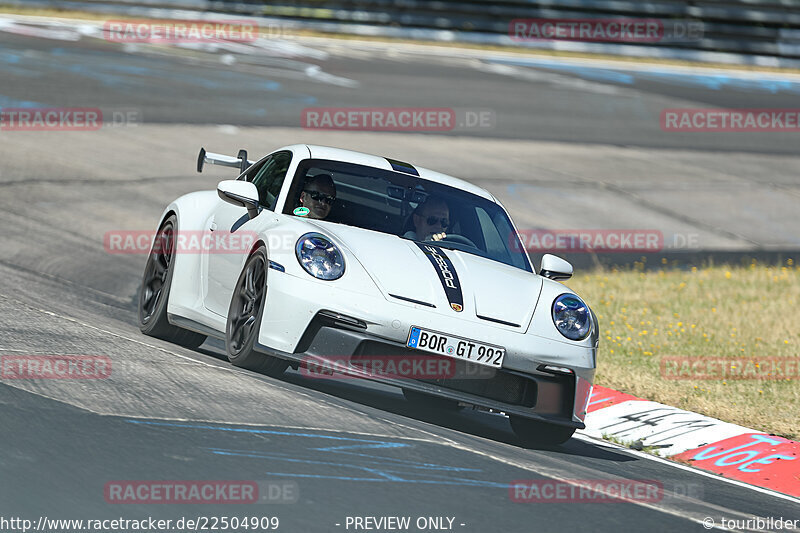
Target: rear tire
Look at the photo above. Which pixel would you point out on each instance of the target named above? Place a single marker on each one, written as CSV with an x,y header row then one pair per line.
x,y
244,318
534,432
154,292
420,399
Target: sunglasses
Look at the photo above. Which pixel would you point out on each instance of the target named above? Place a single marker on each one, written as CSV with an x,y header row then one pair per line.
x,y
432,221
321,197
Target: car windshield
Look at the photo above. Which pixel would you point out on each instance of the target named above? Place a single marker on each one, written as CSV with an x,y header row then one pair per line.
x,y
407,206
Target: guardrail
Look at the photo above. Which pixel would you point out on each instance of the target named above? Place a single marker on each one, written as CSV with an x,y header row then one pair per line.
x,y
758,28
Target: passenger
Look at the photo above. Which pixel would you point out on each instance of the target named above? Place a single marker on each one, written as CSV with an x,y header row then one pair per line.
x,y
431,219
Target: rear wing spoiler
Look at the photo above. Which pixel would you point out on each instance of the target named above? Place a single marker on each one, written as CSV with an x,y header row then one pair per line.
x,y
240,161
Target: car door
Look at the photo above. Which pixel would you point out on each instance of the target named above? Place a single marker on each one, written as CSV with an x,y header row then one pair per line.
x,y
233,232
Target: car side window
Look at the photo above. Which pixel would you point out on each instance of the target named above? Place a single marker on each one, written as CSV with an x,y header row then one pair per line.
x,y
498,235
268,178
496,243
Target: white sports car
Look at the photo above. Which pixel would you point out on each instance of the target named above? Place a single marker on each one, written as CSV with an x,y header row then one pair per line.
x,y
343,259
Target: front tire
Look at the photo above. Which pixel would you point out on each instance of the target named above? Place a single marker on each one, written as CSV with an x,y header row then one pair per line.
x,y
536,433
154,292
244,318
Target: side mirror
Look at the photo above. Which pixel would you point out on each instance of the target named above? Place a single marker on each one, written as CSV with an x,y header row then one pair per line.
x,y
554,267
240,193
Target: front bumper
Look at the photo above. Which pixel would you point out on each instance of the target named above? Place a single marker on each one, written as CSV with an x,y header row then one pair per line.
x,y
534,394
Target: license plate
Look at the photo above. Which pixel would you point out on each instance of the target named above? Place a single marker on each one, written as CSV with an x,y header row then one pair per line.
x,y
458,347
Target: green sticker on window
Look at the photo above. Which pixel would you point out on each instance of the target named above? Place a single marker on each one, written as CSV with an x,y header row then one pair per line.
x,y
301,211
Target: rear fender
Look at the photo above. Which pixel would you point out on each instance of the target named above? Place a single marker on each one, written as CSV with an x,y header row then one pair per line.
x,y
185,297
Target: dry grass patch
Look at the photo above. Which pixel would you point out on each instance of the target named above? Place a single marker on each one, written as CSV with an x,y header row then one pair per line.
x,y
748,313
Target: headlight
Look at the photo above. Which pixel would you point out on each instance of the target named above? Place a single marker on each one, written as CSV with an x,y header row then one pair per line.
x,y
319,256
572,317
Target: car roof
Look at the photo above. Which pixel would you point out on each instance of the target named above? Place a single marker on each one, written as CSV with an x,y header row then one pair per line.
x,y
359,158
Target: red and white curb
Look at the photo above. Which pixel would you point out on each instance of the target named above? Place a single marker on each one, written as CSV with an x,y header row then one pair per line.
x,y
732,451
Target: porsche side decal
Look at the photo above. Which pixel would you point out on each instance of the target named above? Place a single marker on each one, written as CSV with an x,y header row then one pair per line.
x,y
447,275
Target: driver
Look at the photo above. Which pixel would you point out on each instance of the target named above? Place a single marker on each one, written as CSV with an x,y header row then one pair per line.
x,y
319,193
431,220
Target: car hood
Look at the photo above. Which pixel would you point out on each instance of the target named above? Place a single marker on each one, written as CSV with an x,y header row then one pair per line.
x,y
405,273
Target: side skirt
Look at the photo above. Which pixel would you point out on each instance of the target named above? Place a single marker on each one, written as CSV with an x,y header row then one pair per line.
x,y
192,325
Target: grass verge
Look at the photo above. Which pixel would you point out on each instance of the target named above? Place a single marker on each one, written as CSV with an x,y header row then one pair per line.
x,y
746,313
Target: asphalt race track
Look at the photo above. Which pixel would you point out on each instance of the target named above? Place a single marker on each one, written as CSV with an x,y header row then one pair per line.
x,y
341,449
